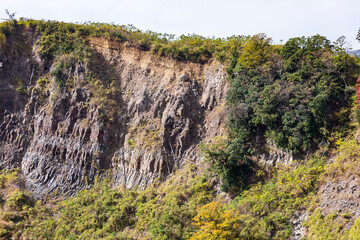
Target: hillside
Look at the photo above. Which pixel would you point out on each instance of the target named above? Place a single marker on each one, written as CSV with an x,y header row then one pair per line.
x,y
355,52
114,108
108,132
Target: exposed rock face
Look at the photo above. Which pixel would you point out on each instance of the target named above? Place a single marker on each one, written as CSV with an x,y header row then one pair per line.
x,y
269,155
61,140
297,221
341,196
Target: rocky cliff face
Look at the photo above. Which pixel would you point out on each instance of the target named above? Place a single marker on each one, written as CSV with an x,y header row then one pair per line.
x,y
62,138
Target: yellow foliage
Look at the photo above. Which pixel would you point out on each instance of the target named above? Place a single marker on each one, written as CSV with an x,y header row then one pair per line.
x,y
327,227
354,232
216,223
144,136
256,51
345,161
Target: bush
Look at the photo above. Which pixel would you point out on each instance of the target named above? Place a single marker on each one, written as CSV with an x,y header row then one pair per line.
x,y
294,95
264,211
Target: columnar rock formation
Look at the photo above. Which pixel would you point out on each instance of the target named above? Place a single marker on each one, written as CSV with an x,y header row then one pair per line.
x,y
60,139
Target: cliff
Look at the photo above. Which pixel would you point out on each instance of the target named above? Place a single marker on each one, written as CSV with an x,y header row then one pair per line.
x,y
147,124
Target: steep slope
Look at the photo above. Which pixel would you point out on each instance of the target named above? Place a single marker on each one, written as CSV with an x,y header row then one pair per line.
x,y
149,120
107,109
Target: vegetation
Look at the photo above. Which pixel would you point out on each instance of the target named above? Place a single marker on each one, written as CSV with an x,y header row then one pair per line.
x,y
163,211
293,96
298,97
264,211
15,204
334,225
57,38
186,207
143,134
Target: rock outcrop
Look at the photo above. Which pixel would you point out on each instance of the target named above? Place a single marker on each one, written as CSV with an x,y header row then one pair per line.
x,y
60,139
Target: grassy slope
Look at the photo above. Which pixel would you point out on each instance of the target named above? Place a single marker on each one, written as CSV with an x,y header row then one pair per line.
x,y
186,206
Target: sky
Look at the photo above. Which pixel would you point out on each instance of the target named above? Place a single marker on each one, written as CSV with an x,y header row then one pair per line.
x,y
279,19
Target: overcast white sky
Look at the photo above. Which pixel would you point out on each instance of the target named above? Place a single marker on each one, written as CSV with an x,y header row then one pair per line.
x,y
279,19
